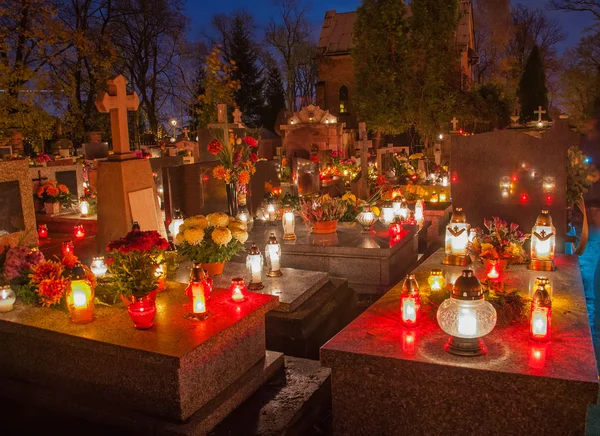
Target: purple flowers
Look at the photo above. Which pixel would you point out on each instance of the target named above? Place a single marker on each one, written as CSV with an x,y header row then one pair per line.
x,y
19,260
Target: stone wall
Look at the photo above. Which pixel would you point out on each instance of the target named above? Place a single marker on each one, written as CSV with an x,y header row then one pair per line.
x,y
335,71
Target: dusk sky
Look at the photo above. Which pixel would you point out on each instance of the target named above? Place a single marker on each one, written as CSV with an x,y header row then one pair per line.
x,y
201,11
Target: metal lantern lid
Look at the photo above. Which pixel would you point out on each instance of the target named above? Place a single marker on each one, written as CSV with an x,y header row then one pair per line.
x,y
197,274
459,216
410,285
177,215
467,287
403,204
254,249
541,298
272,239
387,204
78,273
543,280
436,272
544,219
135,226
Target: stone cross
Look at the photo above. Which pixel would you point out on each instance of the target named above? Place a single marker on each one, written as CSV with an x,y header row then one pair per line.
x,y
364,144
454,122
237,116
117,102
185,133
222,113
362,131
540,112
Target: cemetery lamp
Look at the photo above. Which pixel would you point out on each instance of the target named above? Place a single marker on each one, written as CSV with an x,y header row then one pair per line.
x,y
78,232
541,281
196,290
436,280
254,264
7,299
434,198
80,297
466,317
176,222
457,238
84,207
443,197
395,229
445,181
493,272
541,315
419,216
273,255
387,213
410,302
98,266
288,221
67,248
245,217
43,231
366,218
543,243
271,211
238,289
159,273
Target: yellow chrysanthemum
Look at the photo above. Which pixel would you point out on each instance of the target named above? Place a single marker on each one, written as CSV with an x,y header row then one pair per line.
x,y
376,210
179,239
196,221
221,236
350,198
240,235
194,235
218,219
236,225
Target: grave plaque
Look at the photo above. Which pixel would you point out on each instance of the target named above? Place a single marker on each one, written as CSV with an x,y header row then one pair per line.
x,y
306,174
69,179
17,214
11,212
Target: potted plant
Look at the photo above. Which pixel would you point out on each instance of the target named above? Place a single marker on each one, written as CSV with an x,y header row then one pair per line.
x,y
132,263
499,242
54,196
211,240
323,213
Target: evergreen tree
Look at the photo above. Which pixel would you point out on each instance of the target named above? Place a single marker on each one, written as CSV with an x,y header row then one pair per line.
x,y
197,106
380,65
243,54
274,97
532,91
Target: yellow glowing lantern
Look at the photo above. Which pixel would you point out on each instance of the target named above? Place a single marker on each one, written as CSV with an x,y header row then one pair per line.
x,y
543,243
419,216
443,197
80,297
457,238
436,280
84,207
434,197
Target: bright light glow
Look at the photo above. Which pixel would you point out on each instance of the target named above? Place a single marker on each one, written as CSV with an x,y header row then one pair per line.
x,y
79,298
467,322
409,310
84,208
493,274
98,266
539,321
237,294
274,256
255,262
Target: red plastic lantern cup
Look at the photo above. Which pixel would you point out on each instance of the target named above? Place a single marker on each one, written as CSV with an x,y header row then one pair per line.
x,y
395,229
199,282
67,248
238,290
537,356
78,232
408,341
410,302
142,311
493,272
540,324
43,231
198,299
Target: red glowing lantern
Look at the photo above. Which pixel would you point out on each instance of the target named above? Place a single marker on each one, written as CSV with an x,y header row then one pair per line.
x,y
541,315
198,278
408,341
454,177
395,229
67,248
43,231
549,200
537,356
238,289
410,302
493,272
78,232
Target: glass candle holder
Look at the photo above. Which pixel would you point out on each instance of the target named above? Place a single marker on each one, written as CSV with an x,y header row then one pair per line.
x,y
98,266
273,256
366,218
540,324
68,248
78,232
272,209
42,231
387,213
80,297
254,264
84,207
541,281
142,311
176,222
7,299
410,302
543,243
289,222
238,289
457,238
395,229
246,218
436,280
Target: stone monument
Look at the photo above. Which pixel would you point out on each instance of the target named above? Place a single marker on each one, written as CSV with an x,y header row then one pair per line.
x,y
123,179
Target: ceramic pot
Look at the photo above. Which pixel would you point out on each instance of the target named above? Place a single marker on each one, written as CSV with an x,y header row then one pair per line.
x,y
52,208
324,227
214,269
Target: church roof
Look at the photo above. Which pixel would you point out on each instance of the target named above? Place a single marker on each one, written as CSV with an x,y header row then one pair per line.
x,y
337,33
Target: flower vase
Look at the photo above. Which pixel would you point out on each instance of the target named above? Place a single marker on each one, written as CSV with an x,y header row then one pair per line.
x,y
231,189
324,227
214,269
52,208
142,311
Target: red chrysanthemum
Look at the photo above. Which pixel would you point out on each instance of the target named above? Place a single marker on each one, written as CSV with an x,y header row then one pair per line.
x,y
214,146
254,157
314,158
249,140
69,260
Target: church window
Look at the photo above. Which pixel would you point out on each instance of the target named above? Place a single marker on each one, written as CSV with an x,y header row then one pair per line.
x,y
344,99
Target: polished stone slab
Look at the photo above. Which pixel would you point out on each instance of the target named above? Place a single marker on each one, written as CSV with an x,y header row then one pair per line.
x,y
170,370
380,368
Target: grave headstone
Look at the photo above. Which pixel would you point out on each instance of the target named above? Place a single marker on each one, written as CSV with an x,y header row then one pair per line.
x,y
306,173
17,213
454,122
266,171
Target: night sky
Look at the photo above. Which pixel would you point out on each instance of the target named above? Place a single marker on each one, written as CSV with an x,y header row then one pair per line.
x,y
201,11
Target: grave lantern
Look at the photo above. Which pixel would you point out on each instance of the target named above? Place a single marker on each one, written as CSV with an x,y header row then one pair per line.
x,y
271,210
80,297
434,198
43,231
436,280
366,218
466,317
84,207
198,298
176,222
289,222
419,216
410,302
245,217
457,238
493,272
238,289
443,197
199,282
98,266
543,243
67,248
78,232
159,272
273,256
541,315
7,299
254,264
541,281
387,213
395,229
445,181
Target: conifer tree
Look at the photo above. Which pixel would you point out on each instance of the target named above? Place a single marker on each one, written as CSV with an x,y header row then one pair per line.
x,y
532,91
274,98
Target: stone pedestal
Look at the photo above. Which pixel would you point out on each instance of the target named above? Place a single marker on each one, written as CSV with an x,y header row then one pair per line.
x,y
116,179
180,370
391,379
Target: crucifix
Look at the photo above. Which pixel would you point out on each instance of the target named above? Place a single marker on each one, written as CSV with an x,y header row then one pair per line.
x,y
117,102
185,131
39,178
539,112
454,123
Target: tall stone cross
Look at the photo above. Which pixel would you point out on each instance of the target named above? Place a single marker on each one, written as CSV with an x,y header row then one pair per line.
x,y
454,123
185,131
117,102
539,112
222,113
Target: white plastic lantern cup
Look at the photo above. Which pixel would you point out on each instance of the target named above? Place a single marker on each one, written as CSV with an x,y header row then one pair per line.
x,y
457,239
273,255
543,243
254,265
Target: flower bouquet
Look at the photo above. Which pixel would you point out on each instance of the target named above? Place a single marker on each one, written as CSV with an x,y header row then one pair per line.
x,y
499,242
323,213
211,240
237,157
54,195
132,264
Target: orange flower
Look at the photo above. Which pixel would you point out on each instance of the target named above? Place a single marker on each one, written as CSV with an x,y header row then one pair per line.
x,y
69,260
63,189
40,191
52,191
219,172
244,177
